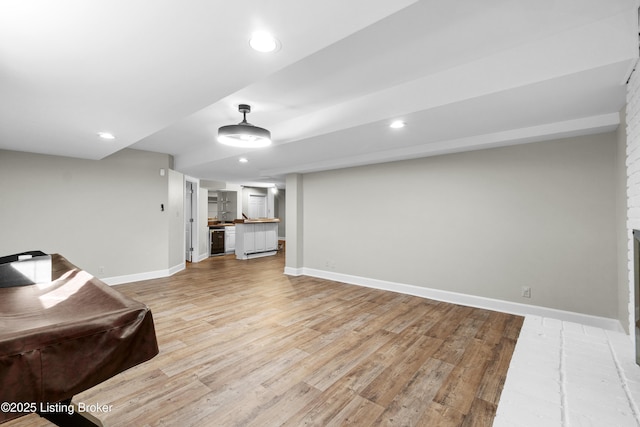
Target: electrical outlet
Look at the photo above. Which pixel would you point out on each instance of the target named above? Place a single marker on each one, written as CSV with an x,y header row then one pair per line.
x,y
526,292
101,269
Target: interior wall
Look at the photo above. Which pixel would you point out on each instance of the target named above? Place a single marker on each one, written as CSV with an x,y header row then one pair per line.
x,y
212,208
238,189
632,118
104,216
175,227
621,223
203,224
482,223
294,255
281,212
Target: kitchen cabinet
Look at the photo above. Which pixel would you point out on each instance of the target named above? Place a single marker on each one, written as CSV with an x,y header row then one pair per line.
x,y
256,239
230,239
260,237
271,237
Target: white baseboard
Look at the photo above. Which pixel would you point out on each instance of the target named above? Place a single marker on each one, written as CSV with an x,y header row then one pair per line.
x,y
256,255
463,299
176,268
290,271
136,277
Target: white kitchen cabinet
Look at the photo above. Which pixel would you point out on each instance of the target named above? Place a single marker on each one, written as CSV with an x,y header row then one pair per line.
x,y
230,239
260,236
248,238
271,236
256,239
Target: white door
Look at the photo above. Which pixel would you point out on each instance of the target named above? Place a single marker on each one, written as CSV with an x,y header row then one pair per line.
x,y
190,228
257,206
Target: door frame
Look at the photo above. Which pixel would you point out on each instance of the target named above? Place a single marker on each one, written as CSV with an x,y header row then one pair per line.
x,y
191,206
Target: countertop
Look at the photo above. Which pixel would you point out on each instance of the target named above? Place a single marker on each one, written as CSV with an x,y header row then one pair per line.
x,y
221,225
255,221
214,224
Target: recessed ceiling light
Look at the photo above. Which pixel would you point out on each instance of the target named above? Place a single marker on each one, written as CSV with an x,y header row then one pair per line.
x,y
397,124
243,160
106,135
264,42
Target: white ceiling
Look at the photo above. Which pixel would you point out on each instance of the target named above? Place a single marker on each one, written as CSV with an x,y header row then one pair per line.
x,y
164,75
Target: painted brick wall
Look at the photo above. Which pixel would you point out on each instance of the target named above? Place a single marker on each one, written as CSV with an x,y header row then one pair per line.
x,y
633,177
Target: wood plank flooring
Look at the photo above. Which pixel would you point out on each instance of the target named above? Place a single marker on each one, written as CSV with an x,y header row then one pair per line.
x,y
241,344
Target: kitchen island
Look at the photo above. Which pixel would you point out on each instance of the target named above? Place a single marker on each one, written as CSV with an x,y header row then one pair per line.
x,y
256,238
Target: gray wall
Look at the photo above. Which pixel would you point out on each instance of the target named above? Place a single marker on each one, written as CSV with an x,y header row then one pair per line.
x,y
482,223
203,224
294,227
281,212
104,216
174,230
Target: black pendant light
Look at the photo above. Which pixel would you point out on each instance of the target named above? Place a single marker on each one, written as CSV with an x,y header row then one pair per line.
x,y
244,134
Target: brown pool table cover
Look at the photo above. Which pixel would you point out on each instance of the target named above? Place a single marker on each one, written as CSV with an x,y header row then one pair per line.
x,y
60,338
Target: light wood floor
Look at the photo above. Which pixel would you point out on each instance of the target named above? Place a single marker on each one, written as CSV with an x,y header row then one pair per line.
x,y
241,344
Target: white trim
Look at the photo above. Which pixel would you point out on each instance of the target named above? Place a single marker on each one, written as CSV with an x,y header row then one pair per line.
x,y
255,255
290,271
176,268
463,299
136,277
